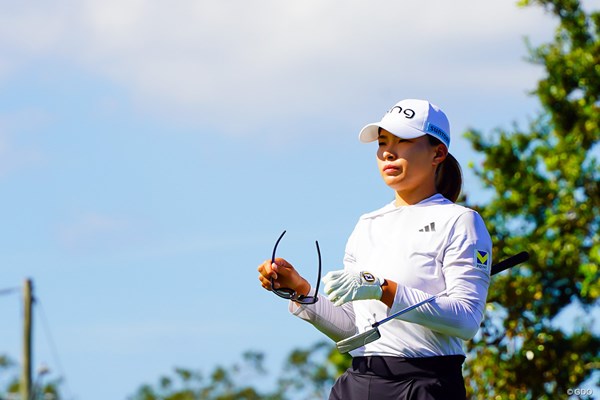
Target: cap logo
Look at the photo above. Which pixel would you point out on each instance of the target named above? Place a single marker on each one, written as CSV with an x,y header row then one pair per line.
x,y
436,130
408,113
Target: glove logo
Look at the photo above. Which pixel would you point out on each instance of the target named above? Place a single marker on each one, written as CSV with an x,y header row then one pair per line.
x,y
482,259
367,276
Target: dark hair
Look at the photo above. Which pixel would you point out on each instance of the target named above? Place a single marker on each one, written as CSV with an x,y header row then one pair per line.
x,y
448,177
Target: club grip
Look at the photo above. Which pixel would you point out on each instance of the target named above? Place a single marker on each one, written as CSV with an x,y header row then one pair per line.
x,y
509,262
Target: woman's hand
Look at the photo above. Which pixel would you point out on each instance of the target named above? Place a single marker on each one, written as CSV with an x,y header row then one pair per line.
x,y
342,286
284,275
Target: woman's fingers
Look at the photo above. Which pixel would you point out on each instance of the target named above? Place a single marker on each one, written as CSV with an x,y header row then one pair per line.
x,y
332,281
279,274
266,273
268,270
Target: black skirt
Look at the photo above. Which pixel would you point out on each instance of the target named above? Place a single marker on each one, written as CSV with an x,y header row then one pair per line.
x,y
399,378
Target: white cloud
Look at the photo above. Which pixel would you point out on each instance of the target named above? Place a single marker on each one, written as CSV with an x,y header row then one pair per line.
x,y
242,64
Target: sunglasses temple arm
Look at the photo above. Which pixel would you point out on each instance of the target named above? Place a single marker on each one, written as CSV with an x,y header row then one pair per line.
x,y
319,275
275,248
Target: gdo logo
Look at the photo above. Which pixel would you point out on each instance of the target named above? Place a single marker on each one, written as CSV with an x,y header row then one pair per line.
x,y
580,392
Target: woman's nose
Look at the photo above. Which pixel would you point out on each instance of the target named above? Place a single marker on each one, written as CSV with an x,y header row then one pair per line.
x,y
388,156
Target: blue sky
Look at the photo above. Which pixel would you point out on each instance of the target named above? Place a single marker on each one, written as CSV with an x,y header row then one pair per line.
x,y
152,152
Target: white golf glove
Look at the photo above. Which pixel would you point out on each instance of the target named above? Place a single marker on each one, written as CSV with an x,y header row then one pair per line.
x,y
342,287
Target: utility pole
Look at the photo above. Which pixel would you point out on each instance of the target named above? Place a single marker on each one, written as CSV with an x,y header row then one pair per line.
x,y
27,334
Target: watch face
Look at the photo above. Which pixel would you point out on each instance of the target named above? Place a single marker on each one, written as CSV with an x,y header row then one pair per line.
x,y
368,277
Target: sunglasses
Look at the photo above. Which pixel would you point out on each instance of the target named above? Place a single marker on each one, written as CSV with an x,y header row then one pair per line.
x,y
290,294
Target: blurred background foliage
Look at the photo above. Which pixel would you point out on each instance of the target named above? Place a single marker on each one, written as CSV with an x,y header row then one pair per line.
x,y
10,383
308,373
545,199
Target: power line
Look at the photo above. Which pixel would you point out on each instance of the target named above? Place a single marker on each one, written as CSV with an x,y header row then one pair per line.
x,y
9,290
52,344
53,347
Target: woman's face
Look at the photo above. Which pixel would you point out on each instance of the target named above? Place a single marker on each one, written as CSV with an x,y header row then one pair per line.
x,y
408,165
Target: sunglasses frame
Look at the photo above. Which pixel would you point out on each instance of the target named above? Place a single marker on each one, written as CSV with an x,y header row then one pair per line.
x,y
290,294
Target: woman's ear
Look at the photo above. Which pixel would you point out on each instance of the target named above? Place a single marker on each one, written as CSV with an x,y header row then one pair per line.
x,y
441,152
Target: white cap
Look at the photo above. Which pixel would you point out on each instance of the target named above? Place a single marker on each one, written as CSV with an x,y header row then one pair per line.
x,y
410,119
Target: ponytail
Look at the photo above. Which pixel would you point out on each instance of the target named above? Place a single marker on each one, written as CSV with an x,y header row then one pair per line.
x,y
448,177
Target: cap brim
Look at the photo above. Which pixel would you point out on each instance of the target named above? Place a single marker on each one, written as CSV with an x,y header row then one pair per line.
x,y
370,132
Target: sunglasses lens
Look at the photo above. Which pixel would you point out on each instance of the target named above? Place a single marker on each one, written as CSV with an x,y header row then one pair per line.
x,y
283,292
307,300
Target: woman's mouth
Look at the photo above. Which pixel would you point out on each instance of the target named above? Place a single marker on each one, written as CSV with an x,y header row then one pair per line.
x,y
389,168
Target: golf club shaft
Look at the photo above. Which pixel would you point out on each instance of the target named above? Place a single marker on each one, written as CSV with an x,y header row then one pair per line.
x,y
496,268
407,309
509,262
373,333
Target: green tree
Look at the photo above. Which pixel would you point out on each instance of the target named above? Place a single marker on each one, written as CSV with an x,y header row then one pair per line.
x,y
546,200
10,383
221,384
308,373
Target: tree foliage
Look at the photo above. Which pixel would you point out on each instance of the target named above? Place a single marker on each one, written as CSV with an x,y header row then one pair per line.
x,y
308,373
10,386
220,384
546,201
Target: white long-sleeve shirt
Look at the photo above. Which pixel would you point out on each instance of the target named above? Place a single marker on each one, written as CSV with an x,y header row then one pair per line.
x,y
425,248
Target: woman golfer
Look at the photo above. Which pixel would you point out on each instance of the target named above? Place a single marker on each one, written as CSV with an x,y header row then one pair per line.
x,y
417,246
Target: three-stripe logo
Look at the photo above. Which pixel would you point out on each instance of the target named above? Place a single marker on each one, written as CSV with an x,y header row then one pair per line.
x,y
428,228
